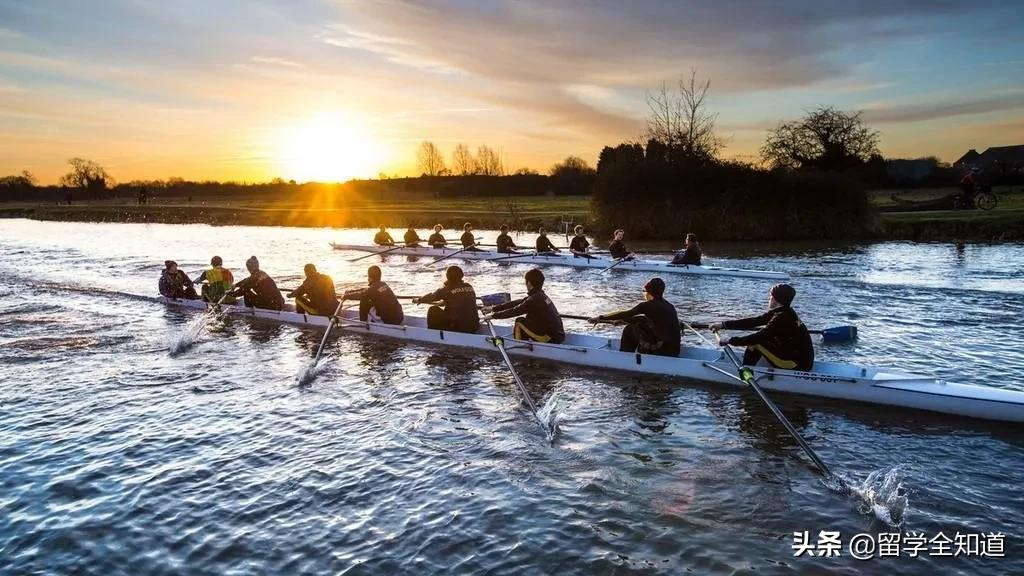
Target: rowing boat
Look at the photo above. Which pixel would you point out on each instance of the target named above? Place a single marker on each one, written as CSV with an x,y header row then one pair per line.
x,y
567,259
834,380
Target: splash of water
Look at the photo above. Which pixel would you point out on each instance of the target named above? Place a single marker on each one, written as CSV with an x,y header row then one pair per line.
x,y
881,494
550,416
190,334
311,370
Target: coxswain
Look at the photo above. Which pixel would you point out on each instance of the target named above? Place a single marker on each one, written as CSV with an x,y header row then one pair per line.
x,y
436,239
468,240
617,249
538,319
258,289
316,295
218,281
174,283
544,245
460,313
652,325
412,239
579,245
783,340
504,242
690,255
383,238
377,303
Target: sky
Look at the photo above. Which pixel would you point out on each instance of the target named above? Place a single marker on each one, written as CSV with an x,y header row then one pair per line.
x,y
250,90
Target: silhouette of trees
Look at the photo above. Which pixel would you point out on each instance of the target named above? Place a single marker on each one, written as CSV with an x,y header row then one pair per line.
x,y
572,166
825,139
430,160
488,163
463,162
681,122
22,181
86,174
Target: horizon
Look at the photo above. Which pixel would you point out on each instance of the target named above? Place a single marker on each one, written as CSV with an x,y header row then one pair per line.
x,y
333,91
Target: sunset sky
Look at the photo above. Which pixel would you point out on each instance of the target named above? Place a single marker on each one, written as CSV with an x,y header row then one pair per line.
x,y
308,89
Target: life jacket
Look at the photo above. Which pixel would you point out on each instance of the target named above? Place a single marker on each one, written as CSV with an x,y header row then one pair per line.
x,y
220,277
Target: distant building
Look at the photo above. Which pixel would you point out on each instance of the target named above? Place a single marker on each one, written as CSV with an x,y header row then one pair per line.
x,y
998,159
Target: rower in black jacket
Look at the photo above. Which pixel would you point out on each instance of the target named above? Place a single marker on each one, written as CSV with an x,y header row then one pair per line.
x,y
617,249
377,303
316,295
436,239
579,244
460,313
653,325
783,341
412,239
689,256
383,238
468,240
538,318
544,245
504,242
258,289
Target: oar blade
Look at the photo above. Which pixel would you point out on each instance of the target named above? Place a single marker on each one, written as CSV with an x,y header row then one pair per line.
x,y
495,299
839,334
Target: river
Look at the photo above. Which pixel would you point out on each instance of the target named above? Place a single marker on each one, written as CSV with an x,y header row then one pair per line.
x,y
117,457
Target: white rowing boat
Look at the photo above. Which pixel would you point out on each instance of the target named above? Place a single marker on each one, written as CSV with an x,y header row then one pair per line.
x,y
828,379
567,259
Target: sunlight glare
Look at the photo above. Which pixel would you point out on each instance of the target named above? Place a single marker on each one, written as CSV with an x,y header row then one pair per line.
x,y
328,148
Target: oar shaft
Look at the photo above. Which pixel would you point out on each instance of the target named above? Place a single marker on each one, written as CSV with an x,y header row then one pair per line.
x,y
500,345
327,332
392,249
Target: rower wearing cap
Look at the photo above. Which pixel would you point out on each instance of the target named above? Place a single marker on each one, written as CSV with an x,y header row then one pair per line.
x,y
436,239
617,249
412,239
538,318
174,283
544,245
383,238
377,303
467,238
459,300
689,256
504,242
783,341
218,281
653,325
316,294
579,243
258,289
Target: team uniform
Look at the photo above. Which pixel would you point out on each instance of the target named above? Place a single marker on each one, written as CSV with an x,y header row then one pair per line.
x,y
783,341
459,314
539,319
653,328
378,299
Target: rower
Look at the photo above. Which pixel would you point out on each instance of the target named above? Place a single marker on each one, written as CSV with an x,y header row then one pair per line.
x,y
504,242
316,294
459,300
617,249
258,289
468,240
541,322
383,238
436,239
783,341
653,325
579,245
377,303
218,281
174,283
544,245
689,256
412,239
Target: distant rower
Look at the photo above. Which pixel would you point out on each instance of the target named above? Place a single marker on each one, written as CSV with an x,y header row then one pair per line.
x,y
258,289
436,239
316,295
459,300
544,244
689,255
468,240
617,249
175,283
377,303
383,238
504,242
653,324
412,239
579,244
541,322
218,281
784,341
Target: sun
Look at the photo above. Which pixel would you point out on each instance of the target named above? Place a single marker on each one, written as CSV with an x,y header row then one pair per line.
x,y
328,148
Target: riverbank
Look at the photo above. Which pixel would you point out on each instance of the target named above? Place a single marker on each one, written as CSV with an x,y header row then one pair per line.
x,y
1005,223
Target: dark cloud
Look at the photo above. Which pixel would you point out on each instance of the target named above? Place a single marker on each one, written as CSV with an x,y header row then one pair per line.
x,y
918,112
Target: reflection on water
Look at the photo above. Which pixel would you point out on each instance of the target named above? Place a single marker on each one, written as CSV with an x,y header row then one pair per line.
x,y
117,458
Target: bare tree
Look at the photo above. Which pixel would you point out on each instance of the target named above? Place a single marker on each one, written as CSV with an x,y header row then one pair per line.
x,y
681,121
86,174
824,139
488,163
430,160
463,163
572,166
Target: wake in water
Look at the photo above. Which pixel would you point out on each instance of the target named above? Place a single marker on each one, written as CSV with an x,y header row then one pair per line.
x,y
190,334
881,494
311,370
550,416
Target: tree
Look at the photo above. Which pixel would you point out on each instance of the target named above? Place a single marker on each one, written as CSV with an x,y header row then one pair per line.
x,y
488,163
21,181
825,139
430,160
524,171
86,174
681,122
572,166
463,163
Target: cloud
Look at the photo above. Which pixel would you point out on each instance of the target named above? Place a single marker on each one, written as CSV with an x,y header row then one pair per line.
x,y
920,112
275,61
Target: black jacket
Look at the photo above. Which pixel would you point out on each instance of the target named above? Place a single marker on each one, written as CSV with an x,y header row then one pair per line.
x,y
540,313
459,304
437,240
579,244
378,295
617,249
176,285
664,319
467,239
412,238
544,245
505,243
319,290
689,255
383,239
784,334
260,291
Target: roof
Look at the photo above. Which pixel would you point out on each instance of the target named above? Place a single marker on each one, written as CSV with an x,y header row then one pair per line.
x,y
970,156
1004,154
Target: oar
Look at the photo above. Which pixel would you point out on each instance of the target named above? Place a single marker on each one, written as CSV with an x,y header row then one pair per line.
x,y
378,253
512,256
487,299
499,343
308,373
833,334
454,253
617,262
746,375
